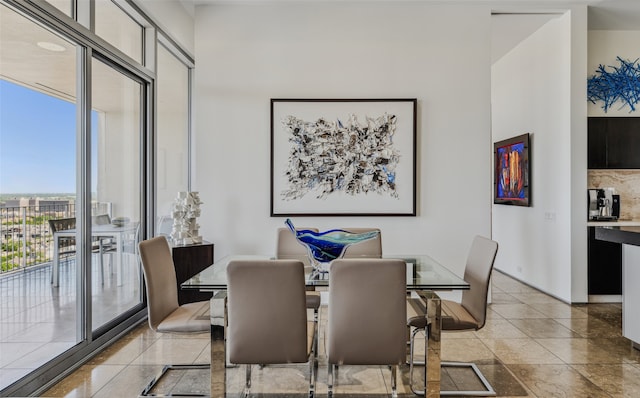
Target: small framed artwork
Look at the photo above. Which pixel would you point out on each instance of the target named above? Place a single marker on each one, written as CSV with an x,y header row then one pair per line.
x,y
512,177
351,157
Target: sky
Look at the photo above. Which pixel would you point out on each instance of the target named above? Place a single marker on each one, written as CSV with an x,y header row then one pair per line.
x,y
37,142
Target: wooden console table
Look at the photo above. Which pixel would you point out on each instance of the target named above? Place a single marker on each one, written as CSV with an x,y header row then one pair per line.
x,y
190,260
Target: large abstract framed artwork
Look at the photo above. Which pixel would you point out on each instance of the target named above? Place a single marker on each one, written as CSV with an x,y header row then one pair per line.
x,y
512,180
332,157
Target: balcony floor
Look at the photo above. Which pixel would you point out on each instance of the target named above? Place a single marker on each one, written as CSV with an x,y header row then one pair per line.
x,y
38,320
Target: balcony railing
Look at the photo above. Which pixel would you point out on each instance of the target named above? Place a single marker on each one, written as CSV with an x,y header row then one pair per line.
x,y
25,236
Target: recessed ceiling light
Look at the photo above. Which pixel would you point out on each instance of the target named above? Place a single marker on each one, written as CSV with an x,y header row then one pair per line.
x,y
51,46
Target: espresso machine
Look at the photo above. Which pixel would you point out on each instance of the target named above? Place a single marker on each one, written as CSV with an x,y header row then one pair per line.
x,y
604,204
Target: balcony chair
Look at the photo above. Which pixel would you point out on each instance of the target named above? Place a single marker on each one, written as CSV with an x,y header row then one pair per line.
x,y
288,247
67,244
165,315
129,247
469,314
274,329
164,226
367,315
104,245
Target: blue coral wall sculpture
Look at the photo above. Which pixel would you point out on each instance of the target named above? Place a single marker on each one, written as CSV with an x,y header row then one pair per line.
x,y
615,83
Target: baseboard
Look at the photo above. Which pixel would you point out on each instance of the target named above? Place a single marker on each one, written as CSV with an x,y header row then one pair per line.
x,y
605,298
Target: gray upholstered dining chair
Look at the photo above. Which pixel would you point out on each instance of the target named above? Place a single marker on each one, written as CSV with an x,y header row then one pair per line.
x,y
371,248
164,313
288,247
274,329
469,314
367,315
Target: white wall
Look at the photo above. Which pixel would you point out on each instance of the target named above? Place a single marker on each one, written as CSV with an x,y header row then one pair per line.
x,y
531,93
247,54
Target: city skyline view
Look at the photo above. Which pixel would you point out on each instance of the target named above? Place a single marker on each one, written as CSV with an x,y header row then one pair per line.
x,y
37,143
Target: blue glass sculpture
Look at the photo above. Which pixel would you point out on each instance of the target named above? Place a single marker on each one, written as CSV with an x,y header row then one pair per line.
x,y
324,247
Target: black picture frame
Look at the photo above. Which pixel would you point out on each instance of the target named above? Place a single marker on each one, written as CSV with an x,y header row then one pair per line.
x,y
348,157
512,171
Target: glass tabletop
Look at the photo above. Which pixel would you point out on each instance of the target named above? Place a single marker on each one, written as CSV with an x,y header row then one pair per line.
x,y
423,273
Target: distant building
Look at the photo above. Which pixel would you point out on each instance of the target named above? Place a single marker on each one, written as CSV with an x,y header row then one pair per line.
x,y
52,205
41,205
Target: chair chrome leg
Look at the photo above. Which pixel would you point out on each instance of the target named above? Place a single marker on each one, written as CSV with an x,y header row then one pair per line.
x,y
330,377
313,371
316,322
247,383
394,388
412,362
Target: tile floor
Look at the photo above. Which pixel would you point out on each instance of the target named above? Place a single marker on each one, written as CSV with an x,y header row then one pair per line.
x,y
532,346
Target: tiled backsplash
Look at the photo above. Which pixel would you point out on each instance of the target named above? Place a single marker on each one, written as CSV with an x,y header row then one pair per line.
x,y
627,185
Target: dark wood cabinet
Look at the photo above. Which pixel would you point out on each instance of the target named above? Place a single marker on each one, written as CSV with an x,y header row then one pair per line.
x,y
614,143
597,143
605,266
188,261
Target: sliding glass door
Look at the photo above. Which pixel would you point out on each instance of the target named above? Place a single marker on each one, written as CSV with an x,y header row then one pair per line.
x,y
118,129
74,141
40,313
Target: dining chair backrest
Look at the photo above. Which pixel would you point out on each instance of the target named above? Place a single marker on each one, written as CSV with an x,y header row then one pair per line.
x,y
371,248
160,278
477,273
274,329
367,312
287,246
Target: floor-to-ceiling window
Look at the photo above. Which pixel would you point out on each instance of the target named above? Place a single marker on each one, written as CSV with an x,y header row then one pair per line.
x,y
117,123
172,132
76,100
39,317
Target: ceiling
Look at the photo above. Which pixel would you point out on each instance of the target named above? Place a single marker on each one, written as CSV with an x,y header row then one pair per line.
x,y
23,62
512,21
603,14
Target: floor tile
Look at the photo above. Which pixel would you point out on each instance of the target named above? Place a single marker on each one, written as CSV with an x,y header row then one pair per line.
x,y
521,351
516,311
543,328
557,381
580,351
619,380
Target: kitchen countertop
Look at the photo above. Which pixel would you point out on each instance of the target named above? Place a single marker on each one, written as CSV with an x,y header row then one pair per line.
x,y
629,235
619,223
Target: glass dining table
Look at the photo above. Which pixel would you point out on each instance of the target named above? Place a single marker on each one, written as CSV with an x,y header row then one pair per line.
x,y
425,276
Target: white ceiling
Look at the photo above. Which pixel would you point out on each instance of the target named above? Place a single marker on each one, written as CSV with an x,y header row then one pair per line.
x,y
23,62
513,20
